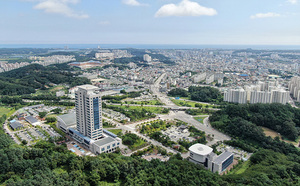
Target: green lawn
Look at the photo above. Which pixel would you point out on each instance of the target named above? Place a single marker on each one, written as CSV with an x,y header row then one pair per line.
x,y
4,110
241,168
115,131
200,118
138,144
189,103
157,110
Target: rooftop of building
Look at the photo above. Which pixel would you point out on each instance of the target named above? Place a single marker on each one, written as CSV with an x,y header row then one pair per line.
x,y
31,119
68,119
88,87
220,159
16,125
104,141
200,149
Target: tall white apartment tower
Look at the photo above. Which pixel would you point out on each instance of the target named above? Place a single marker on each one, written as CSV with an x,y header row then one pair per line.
x,y
89,111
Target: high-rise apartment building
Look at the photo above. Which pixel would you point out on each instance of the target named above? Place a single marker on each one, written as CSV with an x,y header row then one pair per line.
x,y
89,111
147,58
236,96
294,88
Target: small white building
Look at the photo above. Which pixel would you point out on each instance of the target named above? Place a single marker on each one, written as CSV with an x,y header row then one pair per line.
x,y
60,93
203,155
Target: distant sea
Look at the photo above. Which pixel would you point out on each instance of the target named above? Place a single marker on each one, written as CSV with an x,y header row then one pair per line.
x,y
152,46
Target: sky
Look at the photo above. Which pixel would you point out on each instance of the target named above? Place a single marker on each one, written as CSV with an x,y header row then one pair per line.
x,y
196,22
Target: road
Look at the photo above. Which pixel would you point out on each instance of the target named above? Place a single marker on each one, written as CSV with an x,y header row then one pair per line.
x,y
155,91
218,136
163,106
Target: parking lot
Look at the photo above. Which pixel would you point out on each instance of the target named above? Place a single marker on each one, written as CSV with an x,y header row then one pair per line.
x,y
50,131
32,134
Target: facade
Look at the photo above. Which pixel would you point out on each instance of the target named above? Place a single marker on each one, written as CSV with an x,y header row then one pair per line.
x,y
236,96
202,155
199,77
220,163
260,97
280,96
89,111
294,88
210,78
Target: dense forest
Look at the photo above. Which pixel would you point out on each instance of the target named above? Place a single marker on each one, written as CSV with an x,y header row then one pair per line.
x,y
26,79
274,162
284,119
202,94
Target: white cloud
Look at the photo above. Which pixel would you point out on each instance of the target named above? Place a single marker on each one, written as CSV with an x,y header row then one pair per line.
x,y
293,1
104,23
265,15
185,8
132,3
59,7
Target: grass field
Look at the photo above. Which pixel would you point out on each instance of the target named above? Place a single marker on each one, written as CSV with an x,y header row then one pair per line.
x,y
59,87
138,144
157,110
241,168
273,134
189,103
4,110
200,118
115,131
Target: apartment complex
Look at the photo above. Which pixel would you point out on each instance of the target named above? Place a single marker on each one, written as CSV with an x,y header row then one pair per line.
x,y
262,92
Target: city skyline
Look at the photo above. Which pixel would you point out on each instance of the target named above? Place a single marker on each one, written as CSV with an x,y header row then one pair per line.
x,y
193,22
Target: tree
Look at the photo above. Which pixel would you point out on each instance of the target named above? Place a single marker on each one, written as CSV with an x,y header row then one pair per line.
x,y
56,111
178,92
50,119
24,142
42,114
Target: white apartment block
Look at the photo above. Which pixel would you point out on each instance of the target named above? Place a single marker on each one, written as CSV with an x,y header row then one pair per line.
x,y
294,88
102,55
210,78
199,77
147,58
236,96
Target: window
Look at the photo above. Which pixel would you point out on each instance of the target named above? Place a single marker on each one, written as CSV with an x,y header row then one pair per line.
x,y
96,113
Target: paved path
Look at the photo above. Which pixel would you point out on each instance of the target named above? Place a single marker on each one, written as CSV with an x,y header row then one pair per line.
x,y
131,128
218,136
